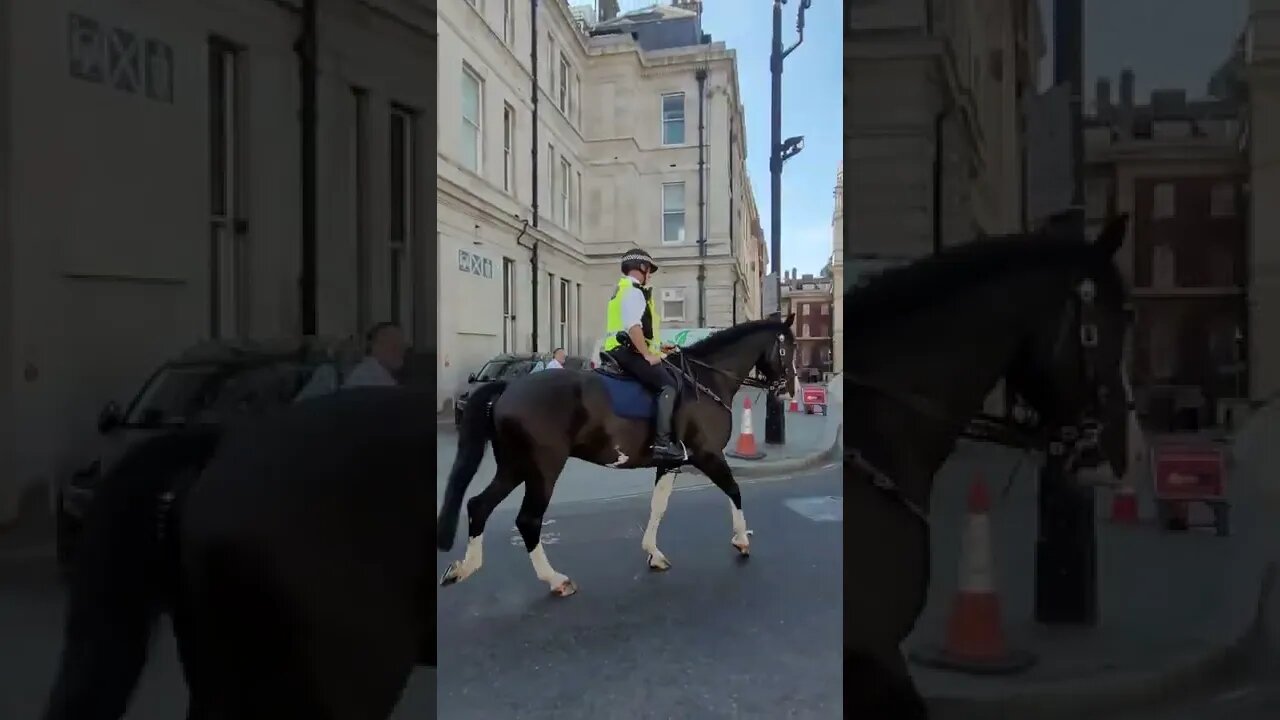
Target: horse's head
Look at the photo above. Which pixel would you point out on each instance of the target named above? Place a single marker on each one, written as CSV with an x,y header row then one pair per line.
x,y
777,364
1070,369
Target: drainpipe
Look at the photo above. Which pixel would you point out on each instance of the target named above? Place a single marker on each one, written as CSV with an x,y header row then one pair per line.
x,y
701,76
533,88
306,50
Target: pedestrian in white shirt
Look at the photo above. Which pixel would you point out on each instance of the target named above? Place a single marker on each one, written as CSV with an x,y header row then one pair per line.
x,y
557,359
386,349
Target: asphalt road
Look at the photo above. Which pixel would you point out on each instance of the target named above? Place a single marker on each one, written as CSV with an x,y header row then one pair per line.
x,y
714,637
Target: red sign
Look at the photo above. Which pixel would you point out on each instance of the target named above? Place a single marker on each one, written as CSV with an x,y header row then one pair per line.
x,y
1188,472
813,395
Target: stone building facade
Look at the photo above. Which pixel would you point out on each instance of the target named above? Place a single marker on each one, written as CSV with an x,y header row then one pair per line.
x,y
150,194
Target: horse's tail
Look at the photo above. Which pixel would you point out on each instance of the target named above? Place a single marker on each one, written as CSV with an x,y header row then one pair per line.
x,y
120,580
473,436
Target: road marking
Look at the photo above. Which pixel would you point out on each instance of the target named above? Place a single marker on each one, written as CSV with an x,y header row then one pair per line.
x,y
547,539
822,508
1233,695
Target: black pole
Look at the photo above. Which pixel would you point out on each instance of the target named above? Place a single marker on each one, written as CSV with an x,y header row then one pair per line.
x,y
533,94
701,76
306,49
775,427
1066,585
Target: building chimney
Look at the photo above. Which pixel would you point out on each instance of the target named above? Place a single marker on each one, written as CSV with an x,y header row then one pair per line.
x,y
607,9
1103,99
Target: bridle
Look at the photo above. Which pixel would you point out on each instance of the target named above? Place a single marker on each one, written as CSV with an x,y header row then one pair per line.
x,y
773,387
1067,443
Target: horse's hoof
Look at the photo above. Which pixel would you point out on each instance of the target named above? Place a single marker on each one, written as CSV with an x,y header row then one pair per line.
x,y
564,589
450,575
743,549
659,564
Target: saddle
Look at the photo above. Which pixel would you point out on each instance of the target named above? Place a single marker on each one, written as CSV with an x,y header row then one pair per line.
x,y
628,396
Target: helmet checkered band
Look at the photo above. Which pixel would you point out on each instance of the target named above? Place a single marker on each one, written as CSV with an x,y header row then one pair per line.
x,y
640,256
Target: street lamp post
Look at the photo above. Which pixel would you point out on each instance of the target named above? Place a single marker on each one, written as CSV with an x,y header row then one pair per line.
x,y
1066,573
774,419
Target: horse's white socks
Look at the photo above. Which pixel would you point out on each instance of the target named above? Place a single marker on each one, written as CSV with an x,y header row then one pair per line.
x,y
474,557
657,508
542,568
739,526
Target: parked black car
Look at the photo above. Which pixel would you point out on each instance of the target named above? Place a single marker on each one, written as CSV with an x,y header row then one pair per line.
x,y
208,384
507,367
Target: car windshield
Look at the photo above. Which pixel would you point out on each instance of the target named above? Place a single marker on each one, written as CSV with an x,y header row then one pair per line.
x,y
174,394
505,368
180,394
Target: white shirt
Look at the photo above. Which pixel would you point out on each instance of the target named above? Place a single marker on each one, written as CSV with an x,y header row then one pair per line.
x,y
369,372
633,305
553,363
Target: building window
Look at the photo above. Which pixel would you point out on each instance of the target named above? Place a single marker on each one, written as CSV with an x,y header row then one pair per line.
x,y
1164,269
508,305
508,147
563,336
403,181
562,87
576,99
1162,350
826,309
673,303
359,204
508,22
673,119
1163,201
551,54
472,120
577,192
805,329
551,181
227,262
673,213
1222,200
804,309
564,193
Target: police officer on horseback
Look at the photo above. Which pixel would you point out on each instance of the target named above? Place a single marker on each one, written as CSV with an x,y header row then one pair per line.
x,y
632,314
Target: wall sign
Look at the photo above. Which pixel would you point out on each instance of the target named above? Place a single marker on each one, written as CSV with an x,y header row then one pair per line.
x,y
480,266
120,58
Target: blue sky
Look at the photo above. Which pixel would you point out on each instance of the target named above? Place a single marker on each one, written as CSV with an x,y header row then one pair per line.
x,y
1168,43
808,178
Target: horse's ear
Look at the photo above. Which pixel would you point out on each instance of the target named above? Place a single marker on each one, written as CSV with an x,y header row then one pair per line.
x,y
791,319
1112,235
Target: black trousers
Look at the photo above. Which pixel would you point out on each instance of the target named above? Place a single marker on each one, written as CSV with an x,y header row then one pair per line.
x,y
654,377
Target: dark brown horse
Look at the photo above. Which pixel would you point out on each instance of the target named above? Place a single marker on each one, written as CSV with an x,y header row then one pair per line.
x,y
538,422
925,345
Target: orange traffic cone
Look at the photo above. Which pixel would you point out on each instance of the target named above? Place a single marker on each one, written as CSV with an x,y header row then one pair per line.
x,y
975,641
1124,505
746,447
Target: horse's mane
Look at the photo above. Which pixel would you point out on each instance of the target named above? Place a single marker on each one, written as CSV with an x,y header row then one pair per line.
x,y
724,338
932,279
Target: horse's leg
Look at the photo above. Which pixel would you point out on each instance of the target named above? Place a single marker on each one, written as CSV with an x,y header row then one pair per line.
x,y
479,508
537,496
663,482
714,466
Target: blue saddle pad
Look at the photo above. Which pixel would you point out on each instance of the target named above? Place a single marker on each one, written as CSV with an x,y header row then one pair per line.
x,y
628,397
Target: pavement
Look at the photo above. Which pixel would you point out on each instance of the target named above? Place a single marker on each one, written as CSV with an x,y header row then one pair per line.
x,y
811,441
1181,614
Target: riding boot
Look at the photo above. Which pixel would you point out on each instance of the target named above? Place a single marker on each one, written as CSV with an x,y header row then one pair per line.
x,y
664,448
